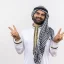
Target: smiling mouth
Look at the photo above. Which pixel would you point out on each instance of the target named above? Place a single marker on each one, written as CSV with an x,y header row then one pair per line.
x,y
38,19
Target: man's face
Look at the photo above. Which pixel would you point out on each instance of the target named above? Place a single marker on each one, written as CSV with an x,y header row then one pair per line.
x,y
39,17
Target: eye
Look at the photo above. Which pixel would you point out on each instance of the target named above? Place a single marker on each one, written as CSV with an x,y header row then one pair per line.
x,y
43,14
37,13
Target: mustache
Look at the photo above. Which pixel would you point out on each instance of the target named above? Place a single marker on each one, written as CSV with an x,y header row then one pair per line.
x,y
39,18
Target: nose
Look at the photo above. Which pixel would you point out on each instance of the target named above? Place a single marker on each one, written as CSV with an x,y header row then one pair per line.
x,y
39,15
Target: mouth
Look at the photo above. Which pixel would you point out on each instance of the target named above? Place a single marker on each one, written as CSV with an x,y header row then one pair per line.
x,y
38,19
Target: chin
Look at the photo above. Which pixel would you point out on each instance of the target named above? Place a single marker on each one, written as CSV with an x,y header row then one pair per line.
x,y
39,22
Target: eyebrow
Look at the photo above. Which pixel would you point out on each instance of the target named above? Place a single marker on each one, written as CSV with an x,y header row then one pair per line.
x,y
39,13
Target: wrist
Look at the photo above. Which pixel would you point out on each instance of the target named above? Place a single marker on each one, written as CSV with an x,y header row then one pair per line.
x,y
17,39
56,41
17,42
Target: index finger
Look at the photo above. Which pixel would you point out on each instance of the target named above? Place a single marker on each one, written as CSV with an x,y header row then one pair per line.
x,y
62,33
10,28
59,31
14,27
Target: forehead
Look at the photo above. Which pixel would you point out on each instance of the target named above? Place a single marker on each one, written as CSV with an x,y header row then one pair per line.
x,y
41,11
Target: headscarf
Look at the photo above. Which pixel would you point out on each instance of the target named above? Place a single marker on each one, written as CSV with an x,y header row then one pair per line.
x,y
44,34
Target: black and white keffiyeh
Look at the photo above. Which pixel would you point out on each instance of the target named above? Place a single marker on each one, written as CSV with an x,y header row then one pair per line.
x,y
45,33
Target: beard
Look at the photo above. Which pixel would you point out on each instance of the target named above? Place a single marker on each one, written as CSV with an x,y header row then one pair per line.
x,y
38,20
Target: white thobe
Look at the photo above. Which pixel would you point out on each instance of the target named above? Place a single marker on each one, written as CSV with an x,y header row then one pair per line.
x,y
27,37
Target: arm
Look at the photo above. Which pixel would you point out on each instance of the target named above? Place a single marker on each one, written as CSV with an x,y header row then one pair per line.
x,y
54,43
19,45
53,48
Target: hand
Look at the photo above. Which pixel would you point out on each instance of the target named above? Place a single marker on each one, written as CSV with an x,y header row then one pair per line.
x,y
14,33
59,36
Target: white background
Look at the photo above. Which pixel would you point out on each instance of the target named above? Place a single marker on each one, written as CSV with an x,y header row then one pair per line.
x,y
18,13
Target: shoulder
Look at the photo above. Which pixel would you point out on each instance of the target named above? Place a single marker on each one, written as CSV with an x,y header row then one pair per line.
x,y
26,31
51,32
50,29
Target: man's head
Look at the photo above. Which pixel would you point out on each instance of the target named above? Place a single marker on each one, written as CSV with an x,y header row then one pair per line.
x,y
39,15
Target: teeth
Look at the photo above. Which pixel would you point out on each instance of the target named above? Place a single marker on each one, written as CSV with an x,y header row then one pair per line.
x,y
38,19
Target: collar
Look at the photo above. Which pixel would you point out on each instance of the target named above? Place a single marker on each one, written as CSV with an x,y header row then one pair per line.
x,y
35,25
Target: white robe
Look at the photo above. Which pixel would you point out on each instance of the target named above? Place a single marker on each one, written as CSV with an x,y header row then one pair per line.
x,y
27,36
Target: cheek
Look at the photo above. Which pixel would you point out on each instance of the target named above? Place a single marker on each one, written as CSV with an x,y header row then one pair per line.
x,y
35,15
43,17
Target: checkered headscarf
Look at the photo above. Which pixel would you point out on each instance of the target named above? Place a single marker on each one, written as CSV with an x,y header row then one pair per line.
x,y
45,33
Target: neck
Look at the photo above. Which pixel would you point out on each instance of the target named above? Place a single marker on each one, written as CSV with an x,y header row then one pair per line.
x,y
34,24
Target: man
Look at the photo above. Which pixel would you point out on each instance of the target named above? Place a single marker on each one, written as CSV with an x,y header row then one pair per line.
x,y
39,41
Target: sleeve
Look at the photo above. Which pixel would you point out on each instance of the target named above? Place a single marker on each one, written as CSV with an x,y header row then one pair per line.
x,y
19,45
53,48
